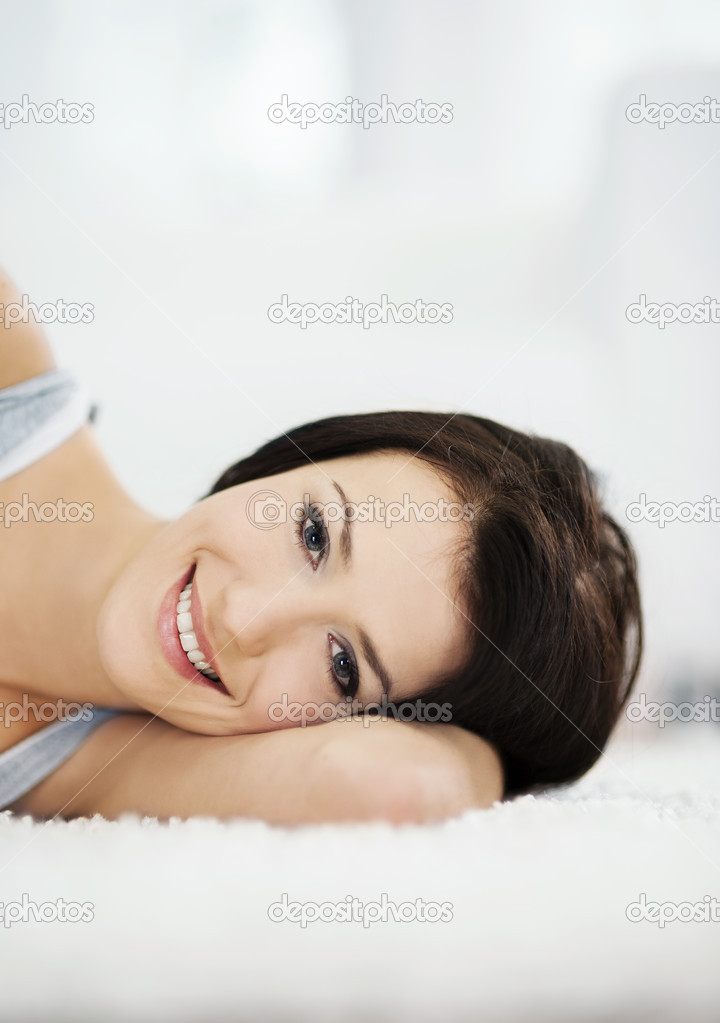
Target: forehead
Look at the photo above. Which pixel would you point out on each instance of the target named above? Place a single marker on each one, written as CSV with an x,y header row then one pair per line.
x,y
405,565
392,472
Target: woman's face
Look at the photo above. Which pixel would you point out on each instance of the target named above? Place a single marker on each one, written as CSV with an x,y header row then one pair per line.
x,y
292,603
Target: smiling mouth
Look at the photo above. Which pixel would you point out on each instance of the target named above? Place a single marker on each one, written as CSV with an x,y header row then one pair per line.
x,y
189,642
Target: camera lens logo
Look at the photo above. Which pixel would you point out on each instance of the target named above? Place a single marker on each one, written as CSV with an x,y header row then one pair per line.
x,y
266,509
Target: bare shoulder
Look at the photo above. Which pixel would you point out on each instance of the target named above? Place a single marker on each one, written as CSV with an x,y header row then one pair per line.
x,y
24,352
347,770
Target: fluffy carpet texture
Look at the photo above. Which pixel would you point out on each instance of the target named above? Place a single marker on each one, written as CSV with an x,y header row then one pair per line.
x,y
538,887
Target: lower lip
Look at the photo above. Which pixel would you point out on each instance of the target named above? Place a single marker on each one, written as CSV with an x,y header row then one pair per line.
x,y
170,640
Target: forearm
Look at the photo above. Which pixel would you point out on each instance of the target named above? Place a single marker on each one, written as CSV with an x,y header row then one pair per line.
x,y
340,771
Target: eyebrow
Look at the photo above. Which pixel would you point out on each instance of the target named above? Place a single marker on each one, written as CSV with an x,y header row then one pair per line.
x,y
369,648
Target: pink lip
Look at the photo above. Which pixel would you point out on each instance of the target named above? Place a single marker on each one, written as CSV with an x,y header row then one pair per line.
x,y
168,634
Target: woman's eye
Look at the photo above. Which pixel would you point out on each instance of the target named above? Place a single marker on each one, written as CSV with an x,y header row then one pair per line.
x,y
344,669
313,534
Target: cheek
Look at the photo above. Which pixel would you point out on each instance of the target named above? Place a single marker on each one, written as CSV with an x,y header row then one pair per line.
x,y
291,692
249,552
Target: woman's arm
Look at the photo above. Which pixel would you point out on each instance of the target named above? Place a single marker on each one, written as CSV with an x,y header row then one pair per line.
x,y
338,771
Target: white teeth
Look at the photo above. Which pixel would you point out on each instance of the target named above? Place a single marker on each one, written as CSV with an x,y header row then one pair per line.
x,y
184,622
188,639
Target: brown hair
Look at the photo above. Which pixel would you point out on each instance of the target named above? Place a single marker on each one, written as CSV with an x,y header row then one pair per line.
x,y
548,579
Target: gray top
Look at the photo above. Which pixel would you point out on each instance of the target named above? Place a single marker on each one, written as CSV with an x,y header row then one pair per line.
x,y
26,406
25,765
35,417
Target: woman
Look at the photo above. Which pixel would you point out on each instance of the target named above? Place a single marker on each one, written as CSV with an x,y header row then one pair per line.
x,y
513,628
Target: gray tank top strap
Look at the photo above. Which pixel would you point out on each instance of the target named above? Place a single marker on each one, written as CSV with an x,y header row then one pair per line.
x,y
26,406
37,415
25,765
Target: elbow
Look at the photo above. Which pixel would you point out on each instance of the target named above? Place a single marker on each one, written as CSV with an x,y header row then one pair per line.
x,y
400,791
429,793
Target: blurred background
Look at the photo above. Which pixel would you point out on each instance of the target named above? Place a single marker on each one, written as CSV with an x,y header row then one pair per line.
x,y
540,213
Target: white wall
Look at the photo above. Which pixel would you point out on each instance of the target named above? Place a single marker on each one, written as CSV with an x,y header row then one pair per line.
x,y
181,213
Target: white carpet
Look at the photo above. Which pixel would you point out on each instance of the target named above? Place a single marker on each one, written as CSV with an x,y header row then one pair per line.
x,y
538,887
